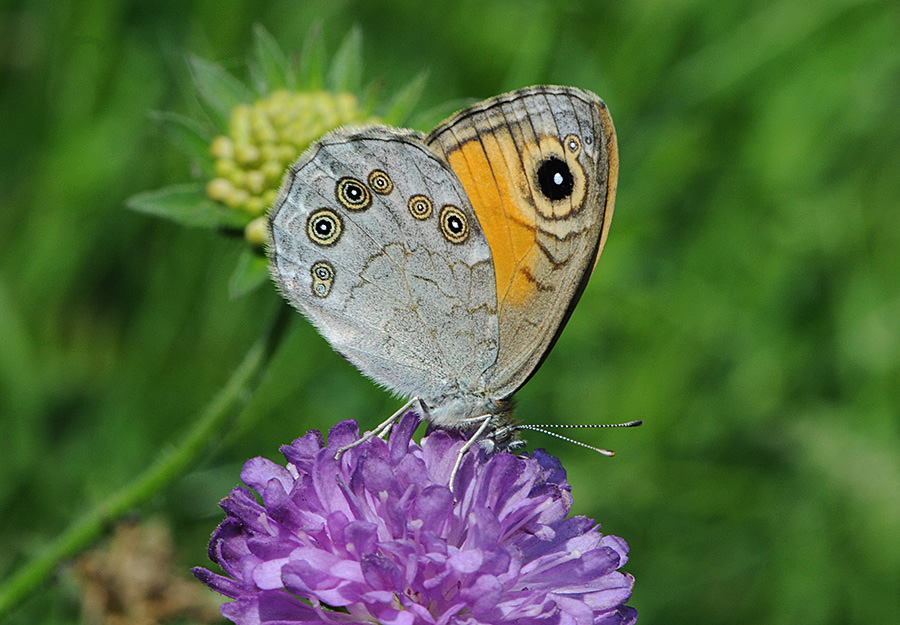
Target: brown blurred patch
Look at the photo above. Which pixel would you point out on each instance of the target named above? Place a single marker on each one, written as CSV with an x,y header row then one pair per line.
x,y
133,581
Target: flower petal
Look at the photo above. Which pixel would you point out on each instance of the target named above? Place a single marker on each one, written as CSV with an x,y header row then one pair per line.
x,y
381,573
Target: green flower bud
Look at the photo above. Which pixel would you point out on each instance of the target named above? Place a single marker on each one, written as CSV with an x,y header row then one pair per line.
x,y
222,148
255,181
225,167
256,232
218,189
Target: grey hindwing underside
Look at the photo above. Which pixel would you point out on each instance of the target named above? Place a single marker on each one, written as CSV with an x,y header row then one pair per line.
x,y
409,303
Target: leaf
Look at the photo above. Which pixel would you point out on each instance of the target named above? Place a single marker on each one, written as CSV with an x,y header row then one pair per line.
x,y
192,137
346,67
221,91
251,271
311,70
436,114
269,66
368,98
403,104
188,205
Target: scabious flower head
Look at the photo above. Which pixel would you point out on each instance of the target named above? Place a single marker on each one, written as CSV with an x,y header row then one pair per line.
x,y
377,536
265,137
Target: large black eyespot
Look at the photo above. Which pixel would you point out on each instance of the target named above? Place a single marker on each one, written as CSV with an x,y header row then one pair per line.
x,y
322,278
324,227
420,207
381,182
454,224
353,194
555,179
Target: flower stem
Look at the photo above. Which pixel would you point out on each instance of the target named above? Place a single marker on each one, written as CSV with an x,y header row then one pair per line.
x,y
170,465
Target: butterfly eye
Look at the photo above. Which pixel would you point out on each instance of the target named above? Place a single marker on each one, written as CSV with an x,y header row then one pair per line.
x,y
555,179
454,224
353,194
322,278
324,227
420,207
380,182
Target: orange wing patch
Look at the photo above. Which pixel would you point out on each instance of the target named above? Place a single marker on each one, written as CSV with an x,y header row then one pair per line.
x,y
508,224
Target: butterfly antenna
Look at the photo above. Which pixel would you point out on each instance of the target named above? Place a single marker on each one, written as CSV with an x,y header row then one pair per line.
x,y
545,429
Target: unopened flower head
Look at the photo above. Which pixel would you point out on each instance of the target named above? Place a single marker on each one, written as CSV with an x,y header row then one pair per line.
x,y
377,537
265,137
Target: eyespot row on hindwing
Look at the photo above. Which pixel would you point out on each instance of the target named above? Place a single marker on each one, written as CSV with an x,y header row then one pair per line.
x,y
325,226
453,223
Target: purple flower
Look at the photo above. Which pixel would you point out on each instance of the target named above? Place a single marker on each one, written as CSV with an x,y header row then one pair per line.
x,y
377,537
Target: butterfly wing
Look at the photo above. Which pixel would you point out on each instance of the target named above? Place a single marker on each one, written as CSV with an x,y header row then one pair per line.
x,y
540,167
374,240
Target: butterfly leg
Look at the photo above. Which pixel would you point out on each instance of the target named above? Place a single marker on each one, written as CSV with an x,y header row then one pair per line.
x,y
383,428
486,421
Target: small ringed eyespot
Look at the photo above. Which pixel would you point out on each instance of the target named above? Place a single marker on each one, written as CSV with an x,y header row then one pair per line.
x,y
353,194
323,271
322,278
420,207
454,224
324,227
380,182
572,143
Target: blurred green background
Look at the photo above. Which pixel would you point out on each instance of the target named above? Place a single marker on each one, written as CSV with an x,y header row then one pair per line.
x,y
747,306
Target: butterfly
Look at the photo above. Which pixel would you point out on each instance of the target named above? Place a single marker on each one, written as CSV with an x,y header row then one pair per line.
x,y
445,266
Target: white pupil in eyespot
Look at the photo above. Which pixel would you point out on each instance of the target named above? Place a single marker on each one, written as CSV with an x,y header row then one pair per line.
x,y
557,178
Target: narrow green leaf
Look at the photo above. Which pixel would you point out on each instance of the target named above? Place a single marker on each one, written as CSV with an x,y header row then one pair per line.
x,y
221,91
436,114
346,67
311,71
368,97
188,205
403,104
251,271
269,66
189,135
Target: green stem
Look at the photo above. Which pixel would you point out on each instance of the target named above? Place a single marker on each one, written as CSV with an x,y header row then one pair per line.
x,y
170,465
